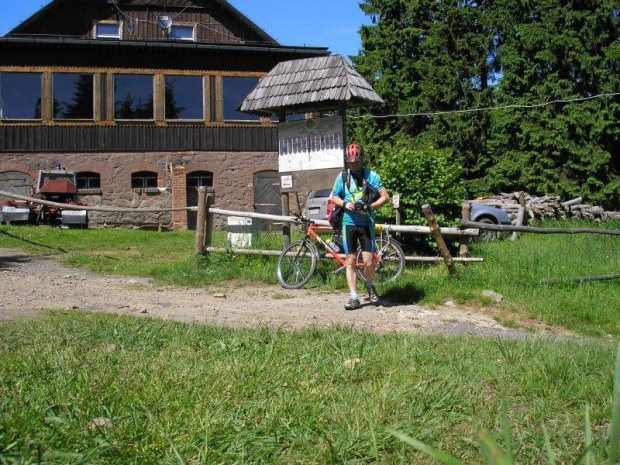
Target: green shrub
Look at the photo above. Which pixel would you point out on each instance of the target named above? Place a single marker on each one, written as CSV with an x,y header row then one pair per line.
x,y
420,175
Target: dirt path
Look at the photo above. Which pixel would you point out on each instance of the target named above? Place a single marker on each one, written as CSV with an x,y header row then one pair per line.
x,y
32,283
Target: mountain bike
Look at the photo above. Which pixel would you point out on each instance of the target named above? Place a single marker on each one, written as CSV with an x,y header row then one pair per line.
x,y
297,262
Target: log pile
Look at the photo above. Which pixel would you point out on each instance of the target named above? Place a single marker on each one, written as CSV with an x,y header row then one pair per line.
x,y
548,207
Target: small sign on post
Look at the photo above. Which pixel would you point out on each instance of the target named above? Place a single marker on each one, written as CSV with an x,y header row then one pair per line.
x,y
396,200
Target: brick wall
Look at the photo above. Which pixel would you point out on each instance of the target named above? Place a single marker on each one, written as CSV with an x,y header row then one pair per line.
x,y
232,180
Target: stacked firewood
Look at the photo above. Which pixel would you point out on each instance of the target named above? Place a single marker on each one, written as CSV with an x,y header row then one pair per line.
x,y
548,207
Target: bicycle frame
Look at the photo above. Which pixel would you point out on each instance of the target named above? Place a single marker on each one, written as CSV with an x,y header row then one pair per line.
x,y
312,232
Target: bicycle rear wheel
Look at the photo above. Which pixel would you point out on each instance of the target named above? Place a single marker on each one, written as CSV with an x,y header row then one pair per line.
x,y
391,261
296,264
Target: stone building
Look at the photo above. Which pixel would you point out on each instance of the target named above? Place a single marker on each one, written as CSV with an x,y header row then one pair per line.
x,y
140,98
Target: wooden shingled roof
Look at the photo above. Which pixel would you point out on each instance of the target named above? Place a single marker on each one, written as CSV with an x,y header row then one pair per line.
x,y
311,84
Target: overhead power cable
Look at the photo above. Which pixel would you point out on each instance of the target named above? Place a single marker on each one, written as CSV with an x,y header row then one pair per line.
x,y
503,107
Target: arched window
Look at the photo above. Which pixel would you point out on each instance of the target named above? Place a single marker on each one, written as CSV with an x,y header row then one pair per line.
x,y
199,179
88,180
143,179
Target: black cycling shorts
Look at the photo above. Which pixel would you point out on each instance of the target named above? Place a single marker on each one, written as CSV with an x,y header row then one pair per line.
x,y
353,235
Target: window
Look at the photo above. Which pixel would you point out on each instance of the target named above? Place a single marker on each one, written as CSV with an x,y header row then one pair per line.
x,y
234,90
133,96
73,96
20,95
184,97
108,30
200,179
143,179
88,180
182,32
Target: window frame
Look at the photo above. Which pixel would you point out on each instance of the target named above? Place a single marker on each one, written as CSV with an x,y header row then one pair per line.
x,y
247,118
199,174
41,97
153,93
184,39
88,175
118,35
203,94
144,175
92,75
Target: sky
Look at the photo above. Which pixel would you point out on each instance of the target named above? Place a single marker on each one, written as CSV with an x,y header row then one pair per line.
x,y
322,23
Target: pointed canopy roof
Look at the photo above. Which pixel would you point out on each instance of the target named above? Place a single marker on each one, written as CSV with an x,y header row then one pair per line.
x,y
311,84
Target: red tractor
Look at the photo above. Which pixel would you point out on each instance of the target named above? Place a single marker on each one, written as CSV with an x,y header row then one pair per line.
x,y
57,186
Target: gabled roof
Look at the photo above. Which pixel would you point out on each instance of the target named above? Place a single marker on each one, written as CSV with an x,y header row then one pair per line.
x,y
311,84
151,3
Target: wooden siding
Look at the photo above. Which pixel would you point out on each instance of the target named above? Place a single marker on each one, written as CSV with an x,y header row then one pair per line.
x,y
136,139
77,18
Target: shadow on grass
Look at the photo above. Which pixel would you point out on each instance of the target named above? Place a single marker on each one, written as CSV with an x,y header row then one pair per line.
x,y
402,294
21,239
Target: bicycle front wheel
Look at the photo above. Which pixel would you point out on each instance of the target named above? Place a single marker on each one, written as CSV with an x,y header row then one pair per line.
x,y
390,264
296,264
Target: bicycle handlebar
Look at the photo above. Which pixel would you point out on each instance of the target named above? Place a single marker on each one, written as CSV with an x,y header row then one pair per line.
x,y
302,219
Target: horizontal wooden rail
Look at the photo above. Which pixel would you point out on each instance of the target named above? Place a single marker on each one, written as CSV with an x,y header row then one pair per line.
x,y
409,258
529,229
220,211
99,208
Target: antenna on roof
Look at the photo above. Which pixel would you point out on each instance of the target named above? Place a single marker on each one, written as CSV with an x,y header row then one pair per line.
x,y
164,21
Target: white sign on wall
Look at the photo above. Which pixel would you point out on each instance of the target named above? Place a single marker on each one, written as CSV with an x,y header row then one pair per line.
x,y
311,144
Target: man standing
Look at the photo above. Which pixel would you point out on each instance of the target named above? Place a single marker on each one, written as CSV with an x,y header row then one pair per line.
x,y
360,192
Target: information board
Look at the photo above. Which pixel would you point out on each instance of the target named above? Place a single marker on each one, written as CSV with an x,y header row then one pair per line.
x,y
311,144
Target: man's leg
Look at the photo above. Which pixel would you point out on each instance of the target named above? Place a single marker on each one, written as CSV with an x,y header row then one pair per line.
x,y
349,242
369,271
368,247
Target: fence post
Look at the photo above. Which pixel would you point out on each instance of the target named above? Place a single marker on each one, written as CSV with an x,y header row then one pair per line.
x,y
443,248
210,198
200,219
286,227
465,216
396,203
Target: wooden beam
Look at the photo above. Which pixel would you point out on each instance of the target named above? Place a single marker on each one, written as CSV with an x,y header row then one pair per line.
x,y
529,229
443,248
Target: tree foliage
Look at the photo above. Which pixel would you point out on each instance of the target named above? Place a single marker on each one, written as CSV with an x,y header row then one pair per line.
x,y
435,56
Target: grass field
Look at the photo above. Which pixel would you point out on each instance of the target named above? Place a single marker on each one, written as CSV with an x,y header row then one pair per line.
x,y
164,392
514,269
172,393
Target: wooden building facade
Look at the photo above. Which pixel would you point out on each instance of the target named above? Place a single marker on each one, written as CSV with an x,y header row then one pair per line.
x,y
140,98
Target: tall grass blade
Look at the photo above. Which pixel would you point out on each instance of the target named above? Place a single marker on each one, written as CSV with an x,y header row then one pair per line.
x,y
494,454
589,456
506,426
614,435
438,455
548,448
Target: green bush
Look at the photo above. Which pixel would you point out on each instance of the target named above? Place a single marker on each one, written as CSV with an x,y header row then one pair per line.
x,y
420,175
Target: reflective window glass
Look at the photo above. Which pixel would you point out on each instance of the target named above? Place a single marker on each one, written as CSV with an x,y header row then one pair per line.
x,y
73,96
234,91
133,96
108,30
184,97
182,32
20,95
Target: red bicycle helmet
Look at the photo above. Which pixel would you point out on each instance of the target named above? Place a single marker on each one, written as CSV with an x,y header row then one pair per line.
x,y
354,152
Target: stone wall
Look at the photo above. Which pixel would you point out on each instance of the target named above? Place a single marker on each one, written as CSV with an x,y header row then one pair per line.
x,y
232,180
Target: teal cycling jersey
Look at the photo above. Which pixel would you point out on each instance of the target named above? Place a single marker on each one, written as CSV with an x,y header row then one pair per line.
x,y
350,191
